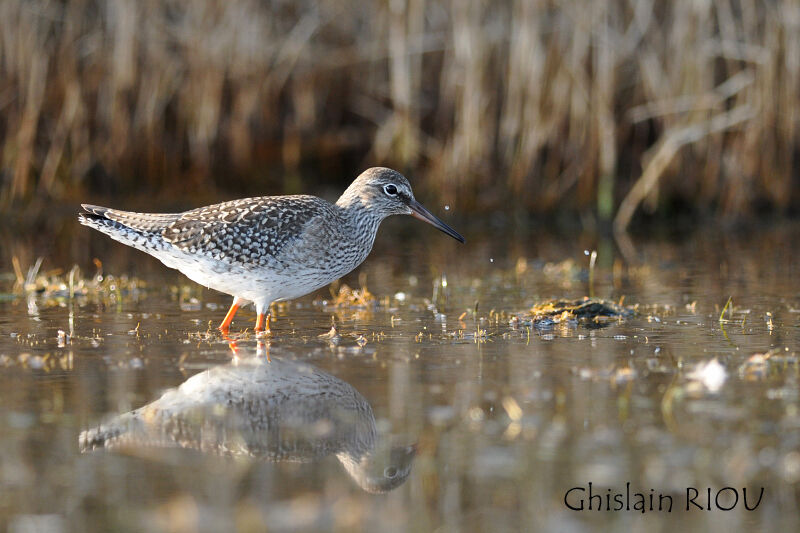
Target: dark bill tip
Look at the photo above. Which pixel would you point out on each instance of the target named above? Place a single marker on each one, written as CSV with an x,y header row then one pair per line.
x,y
417,211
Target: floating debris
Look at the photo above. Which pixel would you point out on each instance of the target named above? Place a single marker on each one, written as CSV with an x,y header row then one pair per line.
x,y
757,365
512,408
755,368
615,376
358,298
711,375
332,335
593,312
63,338
192,304
624,375
770,323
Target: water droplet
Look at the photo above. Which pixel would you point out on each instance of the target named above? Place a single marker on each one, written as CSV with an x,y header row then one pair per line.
x,y
447,208
491,260
586,252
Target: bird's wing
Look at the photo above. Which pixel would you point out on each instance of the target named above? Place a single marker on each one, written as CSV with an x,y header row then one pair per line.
x,y
248,230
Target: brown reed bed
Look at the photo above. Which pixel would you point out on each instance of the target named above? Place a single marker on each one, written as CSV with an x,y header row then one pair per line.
x,y
566,104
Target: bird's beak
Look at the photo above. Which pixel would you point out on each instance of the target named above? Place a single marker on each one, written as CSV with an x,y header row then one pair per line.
x,y
417,211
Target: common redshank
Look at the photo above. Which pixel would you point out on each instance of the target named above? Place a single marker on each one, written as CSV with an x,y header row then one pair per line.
x,y
269,248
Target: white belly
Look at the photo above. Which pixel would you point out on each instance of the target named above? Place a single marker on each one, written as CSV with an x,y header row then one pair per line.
x,y
257,284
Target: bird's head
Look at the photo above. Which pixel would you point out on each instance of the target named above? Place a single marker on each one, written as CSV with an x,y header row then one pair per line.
x,y
386,192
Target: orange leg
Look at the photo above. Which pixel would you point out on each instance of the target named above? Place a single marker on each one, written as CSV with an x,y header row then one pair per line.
x,y
262,322
226,324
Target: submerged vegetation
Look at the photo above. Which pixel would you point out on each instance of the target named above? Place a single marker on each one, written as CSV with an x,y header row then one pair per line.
x,y
59,285
555,105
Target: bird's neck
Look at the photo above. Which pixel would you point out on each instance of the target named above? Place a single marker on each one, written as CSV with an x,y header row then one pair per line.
x,y
359,220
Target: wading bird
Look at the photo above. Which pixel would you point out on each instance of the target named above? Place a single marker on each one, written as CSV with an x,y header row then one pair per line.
x,y
268,248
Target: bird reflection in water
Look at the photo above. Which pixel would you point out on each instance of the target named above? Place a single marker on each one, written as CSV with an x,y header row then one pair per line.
x,y
270,409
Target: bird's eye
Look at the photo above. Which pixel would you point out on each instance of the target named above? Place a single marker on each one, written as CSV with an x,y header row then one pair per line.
x,y
390,472
390,189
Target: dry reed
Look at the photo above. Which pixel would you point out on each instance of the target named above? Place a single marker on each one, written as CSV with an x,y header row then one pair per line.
x,y
552,104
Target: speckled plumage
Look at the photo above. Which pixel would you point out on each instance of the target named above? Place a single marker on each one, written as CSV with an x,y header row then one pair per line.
x,y
278,410
268,248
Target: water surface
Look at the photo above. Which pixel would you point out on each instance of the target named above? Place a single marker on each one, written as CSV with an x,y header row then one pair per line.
x,y
499,418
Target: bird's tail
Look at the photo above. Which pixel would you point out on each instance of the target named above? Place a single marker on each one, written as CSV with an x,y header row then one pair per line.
x,y
139,230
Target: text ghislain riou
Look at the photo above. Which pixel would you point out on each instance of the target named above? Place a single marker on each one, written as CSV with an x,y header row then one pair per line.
x,y
590,498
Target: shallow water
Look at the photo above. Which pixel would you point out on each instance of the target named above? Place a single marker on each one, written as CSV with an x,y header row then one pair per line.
x,y
501,418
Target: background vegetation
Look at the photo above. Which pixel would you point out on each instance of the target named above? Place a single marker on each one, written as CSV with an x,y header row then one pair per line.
x,y
592,107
